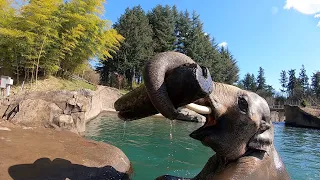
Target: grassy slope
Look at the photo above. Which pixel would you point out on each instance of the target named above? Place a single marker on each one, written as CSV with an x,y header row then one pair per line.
x,y
53,83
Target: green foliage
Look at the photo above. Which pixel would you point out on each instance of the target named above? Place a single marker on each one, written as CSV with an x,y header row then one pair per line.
x,y
261,80
138,45
43,37
315,84
259,86
162,21
283,81
304,103
292,83
165,29
303,80
249,82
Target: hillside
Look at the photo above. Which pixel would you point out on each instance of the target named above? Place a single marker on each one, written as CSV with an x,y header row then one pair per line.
x,y
53,83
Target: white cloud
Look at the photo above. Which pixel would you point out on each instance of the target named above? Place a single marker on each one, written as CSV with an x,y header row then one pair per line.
x,y
223,44
304,6
274,10
308,7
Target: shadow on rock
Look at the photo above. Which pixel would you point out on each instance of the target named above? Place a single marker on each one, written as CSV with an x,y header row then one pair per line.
x,y
61,169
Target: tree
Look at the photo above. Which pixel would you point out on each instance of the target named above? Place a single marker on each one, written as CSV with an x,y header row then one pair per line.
x,y
283,81
261,80
249,82
84,34
43,37
182,31
137,46
163,25
292,83
315,84
228,67
303,80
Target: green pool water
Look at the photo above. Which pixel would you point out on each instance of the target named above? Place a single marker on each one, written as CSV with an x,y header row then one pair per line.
x,y
158,146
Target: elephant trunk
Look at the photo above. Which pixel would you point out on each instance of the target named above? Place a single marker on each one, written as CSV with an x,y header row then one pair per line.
x,y
171,80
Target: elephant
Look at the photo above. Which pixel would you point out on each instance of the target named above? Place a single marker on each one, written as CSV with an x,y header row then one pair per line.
x,y
238,126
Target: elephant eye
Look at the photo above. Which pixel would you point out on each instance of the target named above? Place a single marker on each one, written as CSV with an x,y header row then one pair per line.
x,y
243,104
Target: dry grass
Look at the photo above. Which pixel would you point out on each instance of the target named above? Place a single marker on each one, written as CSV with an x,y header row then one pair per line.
x,y
52,83
313,111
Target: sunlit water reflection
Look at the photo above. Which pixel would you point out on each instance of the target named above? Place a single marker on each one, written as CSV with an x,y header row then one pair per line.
x,y
156,146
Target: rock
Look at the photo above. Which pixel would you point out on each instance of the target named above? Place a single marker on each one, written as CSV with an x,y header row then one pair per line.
x,y
4,129
79,121
72,101
50,154
64,120
101,100
297,116
32,113
188,115
59,107
277,116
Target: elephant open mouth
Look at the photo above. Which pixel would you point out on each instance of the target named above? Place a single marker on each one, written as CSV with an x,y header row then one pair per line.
x,y
204,107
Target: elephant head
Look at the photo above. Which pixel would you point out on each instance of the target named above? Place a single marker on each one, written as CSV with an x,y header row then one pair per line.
x,y
238,125
239,121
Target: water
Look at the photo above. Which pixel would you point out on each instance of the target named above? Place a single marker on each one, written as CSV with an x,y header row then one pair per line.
x,y
156,147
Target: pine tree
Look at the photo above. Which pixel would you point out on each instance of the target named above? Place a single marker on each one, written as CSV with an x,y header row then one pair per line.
x,y
292,83
303,80
283,81
137,46
261,80
182,31
163,25
315,84
228,67
249,82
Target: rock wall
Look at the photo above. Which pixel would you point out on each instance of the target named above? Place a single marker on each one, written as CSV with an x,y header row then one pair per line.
x,y
69,110
277,116
295,116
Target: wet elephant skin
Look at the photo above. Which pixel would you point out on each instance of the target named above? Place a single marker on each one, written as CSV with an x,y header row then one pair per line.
x,y
183,85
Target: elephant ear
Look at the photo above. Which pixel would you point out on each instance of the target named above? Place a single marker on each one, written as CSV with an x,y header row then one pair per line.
x,y
263,139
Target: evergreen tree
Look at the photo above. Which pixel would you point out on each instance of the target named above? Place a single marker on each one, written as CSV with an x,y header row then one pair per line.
x,y
249,82
137,46
228,67
163,25
315,84
292,83
283,81
182,30
261,80
303,80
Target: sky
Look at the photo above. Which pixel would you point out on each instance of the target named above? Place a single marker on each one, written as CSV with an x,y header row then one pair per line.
x,y
273,34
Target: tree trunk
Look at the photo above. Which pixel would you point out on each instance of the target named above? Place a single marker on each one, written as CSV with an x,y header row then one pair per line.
x,y
37,69
17,67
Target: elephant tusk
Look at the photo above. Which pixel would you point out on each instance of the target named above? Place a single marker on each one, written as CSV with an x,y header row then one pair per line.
x,y
199,109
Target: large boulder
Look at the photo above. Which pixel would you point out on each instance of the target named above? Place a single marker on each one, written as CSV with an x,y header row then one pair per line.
x,y
40,153
302,117
69,110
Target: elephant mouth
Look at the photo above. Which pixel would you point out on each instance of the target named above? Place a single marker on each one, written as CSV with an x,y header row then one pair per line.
x,y
203,107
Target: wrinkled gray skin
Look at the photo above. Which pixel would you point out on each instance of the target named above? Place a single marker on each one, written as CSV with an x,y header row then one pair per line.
x,y
154,75
239,128
240,131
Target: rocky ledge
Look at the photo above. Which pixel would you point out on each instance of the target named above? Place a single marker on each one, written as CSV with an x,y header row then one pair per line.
x,y
302,117
39,153
69,110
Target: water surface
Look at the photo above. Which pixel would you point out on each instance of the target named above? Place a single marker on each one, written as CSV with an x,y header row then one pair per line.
x,y
157,146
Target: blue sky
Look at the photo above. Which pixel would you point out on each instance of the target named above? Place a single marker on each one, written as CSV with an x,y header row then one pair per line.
x,y
274,34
